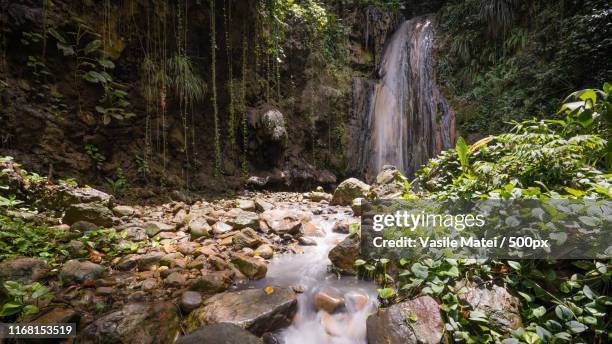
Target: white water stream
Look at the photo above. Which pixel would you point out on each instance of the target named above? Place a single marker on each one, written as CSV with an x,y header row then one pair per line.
x,y
309,271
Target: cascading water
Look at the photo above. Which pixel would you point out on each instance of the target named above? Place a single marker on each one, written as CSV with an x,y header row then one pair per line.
x,y
401,118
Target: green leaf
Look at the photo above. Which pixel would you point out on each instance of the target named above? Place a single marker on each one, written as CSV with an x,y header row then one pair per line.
x,y
462,151
515,265
386,293
56,35
359,262
92,46
419,270
106,63
10,308
29,310
563,313
538,312
575,326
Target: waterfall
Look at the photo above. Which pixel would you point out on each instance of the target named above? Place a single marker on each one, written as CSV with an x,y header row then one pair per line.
x,y
400,118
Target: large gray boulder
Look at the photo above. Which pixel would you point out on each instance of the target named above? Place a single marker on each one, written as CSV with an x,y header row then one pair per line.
x,y
77,271
348,190
417,321
344,254
135,323
256,310
282,221
222,333
96,213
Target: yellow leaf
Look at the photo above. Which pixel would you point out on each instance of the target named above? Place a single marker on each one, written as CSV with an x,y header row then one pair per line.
x,y
269,290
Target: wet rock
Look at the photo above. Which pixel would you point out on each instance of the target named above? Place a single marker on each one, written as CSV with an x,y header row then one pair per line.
x,y
246,238
357,206
190,300
77,271
187,248
154,227
246,204
149,284
343,256
221,228
147,261
175,280
124,210
281,221
57,315
75,248
264,251
414,321
356,301
199,228
343,226
263,205
95,213
310,229
83,226
212,282
135,234
172,260
328,299
255,310
222,333
251,267
499,306
128,262
389,183
245,219
348,190
135,323
305,241
317,196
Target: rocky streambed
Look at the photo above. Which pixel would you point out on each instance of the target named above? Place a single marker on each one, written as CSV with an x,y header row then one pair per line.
x,y
177,270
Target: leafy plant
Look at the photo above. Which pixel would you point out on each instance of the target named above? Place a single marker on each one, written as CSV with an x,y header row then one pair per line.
x,y
119,184
24,299
95,155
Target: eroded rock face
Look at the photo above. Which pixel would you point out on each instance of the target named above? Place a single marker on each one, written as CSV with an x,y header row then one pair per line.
x,y
500,307
135,323
222,333
410,322
252,309
343,256
348,190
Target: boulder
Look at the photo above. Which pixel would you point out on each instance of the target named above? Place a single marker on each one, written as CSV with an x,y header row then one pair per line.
x,y
221,228
305,241
245,219
222,333
344,254
175,280
95,213
246,238
264,251
83,226
246,204
499,306
317,196
263,205
328,299
212,282
80,271
135,323
409,322
146,261
348,190
124,210
343,226
199,228
251,267
255,310
72,195
389,183
190,300
154,227
281,221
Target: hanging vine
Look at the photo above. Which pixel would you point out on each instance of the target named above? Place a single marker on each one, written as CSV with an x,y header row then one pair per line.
x,y
213,46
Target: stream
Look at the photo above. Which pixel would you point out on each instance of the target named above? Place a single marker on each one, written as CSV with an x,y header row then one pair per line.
x,y
308,272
